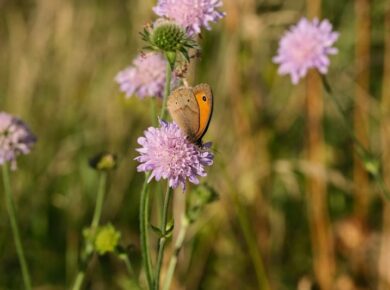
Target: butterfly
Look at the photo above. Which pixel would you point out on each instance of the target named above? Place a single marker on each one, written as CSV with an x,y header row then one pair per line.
x,y
191,109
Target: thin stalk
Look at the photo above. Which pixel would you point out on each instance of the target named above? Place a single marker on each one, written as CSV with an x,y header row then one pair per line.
x,y
79,280
167,90
178,246
163,239
159,203
384,253
247,230
144,225
342,112
362,109
153,112
125,258
99,200
251,244
320,227
94,225
14,227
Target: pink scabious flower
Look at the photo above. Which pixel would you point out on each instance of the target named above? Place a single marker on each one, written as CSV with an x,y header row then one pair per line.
x,y
145,77
168,154
15,139
191,14
306,45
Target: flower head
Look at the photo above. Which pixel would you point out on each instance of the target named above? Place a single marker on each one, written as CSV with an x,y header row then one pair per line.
x,y
145,78
191,14
169,37
306,45
15,139
168,154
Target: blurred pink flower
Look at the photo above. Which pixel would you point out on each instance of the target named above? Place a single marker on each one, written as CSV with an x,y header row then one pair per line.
x,y
191,14
145,77
306,45
15,139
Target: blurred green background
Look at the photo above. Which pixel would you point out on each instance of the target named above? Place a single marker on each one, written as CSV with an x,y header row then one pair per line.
x,y
58,60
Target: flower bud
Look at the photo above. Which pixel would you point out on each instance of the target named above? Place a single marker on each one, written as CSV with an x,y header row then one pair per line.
x,y
103,161
107,239
168,37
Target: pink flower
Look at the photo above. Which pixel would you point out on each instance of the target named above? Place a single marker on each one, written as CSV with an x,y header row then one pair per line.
x,y
168,154
15,139
191,14
306,45
145,78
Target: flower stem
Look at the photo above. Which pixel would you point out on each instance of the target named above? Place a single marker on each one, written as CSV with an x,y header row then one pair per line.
x,y
178,245
339,107
95,223
320,229
153,112
79,280
125,258
144,224
163,239
248,232
250,240
99,200
167,90
14,226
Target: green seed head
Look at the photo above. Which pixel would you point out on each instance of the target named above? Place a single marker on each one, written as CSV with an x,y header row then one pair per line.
x,y
168,36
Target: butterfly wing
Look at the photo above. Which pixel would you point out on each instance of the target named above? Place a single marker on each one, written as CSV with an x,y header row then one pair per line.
x,y
184,110
204,98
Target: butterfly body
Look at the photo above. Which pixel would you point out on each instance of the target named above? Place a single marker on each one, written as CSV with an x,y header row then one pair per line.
x,y
191,109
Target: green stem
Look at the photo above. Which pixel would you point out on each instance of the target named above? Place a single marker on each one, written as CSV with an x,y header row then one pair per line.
x,y
144,224
153,112
251,243
125,258
79,280
94,225
99,201
250,240
14,226
342,112
167,90
178,246
163,239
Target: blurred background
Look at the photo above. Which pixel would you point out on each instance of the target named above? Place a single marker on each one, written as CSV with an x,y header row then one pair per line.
x,y
58,60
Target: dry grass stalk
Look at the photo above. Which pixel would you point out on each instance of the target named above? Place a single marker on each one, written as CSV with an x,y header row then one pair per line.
x,y
321,234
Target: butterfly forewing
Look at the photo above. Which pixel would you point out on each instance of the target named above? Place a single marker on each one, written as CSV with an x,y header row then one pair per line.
x,y
183,107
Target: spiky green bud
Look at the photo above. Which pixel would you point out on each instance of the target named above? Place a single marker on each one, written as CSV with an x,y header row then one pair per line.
x,y
168,37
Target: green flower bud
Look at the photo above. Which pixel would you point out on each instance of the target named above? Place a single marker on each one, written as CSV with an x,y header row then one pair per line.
x,y
103,161
372,165
107,239
169,37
